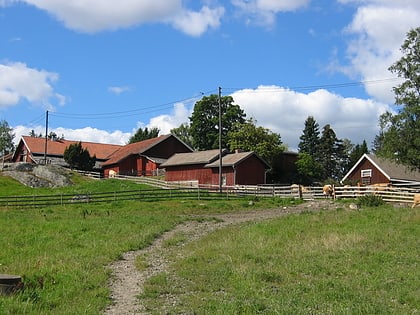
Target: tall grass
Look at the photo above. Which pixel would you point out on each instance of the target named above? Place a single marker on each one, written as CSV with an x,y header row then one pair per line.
x,y
334,262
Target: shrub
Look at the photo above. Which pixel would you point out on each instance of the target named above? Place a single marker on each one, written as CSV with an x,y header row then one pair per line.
x,y
369,201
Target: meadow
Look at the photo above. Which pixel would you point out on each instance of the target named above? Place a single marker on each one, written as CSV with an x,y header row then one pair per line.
x,y
338,262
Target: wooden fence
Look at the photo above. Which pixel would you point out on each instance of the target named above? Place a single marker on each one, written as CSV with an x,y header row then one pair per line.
x,y
191,190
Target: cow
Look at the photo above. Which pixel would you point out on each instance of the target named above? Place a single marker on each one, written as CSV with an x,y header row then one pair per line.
x,y
112,173
328,190
416,200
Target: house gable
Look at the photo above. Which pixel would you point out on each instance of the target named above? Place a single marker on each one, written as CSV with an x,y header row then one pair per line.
x,y
370,169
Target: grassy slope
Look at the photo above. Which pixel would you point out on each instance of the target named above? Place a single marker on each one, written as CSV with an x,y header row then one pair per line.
x,y
62,251
337,262
330,262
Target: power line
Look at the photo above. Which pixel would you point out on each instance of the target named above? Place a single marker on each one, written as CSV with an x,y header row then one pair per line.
x,y
127,113
315,87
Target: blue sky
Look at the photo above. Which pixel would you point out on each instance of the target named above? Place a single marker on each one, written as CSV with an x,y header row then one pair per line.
x,y
102,73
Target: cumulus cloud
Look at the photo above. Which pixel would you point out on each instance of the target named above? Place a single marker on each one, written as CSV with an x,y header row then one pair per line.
x,y
377,31
165,123
91,16
279,109
284,111
19,82
81,134
197,23
264,11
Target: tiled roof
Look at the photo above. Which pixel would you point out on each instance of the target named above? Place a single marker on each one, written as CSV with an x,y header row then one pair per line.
x,y
134,148
234,159
198,157
57,147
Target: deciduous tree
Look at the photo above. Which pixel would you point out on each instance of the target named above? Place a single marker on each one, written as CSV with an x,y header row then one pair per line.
x,y
399,136
6,138
204,121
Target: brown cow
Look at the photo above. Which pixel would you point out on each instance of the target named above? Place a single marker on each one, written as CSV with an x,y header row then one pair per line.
x,y
327,190
416,200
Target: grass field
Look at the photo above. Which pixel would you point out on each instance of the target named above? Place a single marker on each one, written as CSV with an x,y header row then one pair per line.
x,y
336,262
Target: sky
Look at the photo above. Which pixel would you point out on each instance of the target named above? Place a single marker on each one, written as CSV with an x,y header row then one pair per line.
x,y
103,69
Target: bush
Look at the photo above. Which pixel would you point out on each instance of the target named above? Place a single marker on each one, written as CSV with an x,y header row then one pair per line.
x,y
370,201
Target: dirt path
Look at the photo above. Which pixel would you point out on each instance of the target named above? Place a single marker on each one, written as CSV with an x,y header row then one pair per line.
x,y
127,282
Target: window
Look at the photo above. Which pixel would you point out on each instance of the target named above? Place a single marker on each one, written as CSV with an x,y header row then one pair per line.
x,y
366,173
366,176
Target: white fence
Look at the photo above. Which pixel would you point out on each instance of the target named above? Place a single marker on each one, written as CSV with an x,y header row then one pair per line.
x,y
388,194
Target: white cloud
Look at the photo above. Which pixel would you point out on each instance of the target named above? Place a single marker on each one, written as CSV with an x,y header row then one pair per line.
x,y
279,109
197,23
264,11
378,30
118,89
284,111
165,123
17,82
92,16
82,134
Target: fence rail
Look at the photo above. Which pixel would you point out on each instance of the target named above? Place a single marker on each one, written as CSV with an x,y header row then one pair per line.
x,y
191,190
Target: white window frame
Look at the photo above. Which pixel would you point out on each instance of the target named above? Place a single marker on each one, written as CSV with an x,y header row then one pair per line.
x,y
366,173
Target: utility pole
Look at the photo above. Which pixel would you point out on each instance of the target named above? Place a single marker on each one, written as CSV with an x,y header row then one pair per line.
x,y
220,141
46,138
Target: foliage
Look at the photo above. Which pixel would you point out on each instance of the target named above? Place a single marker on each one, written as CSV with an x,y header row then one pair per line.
x,y
249,137
309,140
6,138
321,157
78,157
308,168
370,200
183,132
333,158
404,124
204,121
144,134
357,152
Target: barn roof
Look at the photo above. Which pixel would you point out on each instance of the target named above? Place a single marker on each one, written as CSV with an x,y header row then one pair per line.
x,y
198,157
134,148
390,169
235,159
56,147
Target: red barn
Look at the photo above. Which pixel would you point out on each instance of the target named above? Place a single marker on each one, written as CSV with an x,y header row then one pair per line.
x,y
370,170
144,157
32,150
244,168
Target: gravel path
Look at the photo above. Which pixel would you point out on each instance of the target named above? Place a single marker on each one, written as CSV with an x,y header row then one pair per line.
x,y
127,282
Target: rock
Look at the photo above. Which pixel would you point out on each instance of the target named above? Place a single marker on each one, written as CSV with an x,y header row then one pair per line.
x,y
39,175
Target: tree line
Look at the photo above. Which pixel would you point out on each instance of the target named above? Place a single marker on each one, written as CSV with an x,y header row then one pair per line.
x,y
322,155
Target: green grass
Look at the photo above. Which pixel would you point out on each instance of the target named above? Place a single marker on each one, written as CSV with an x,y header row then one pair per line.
x,y
62,251
336,262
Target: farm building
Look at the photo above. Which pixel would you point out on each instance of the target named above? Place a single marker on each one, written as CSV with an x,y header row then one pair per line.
x,y
240,168
32,150
370,170
144,157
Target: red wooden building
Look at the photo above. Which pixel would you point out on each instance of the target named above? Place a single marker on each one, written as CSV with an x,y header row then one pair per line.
x,y
32,150
370,170
242,168
144,157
